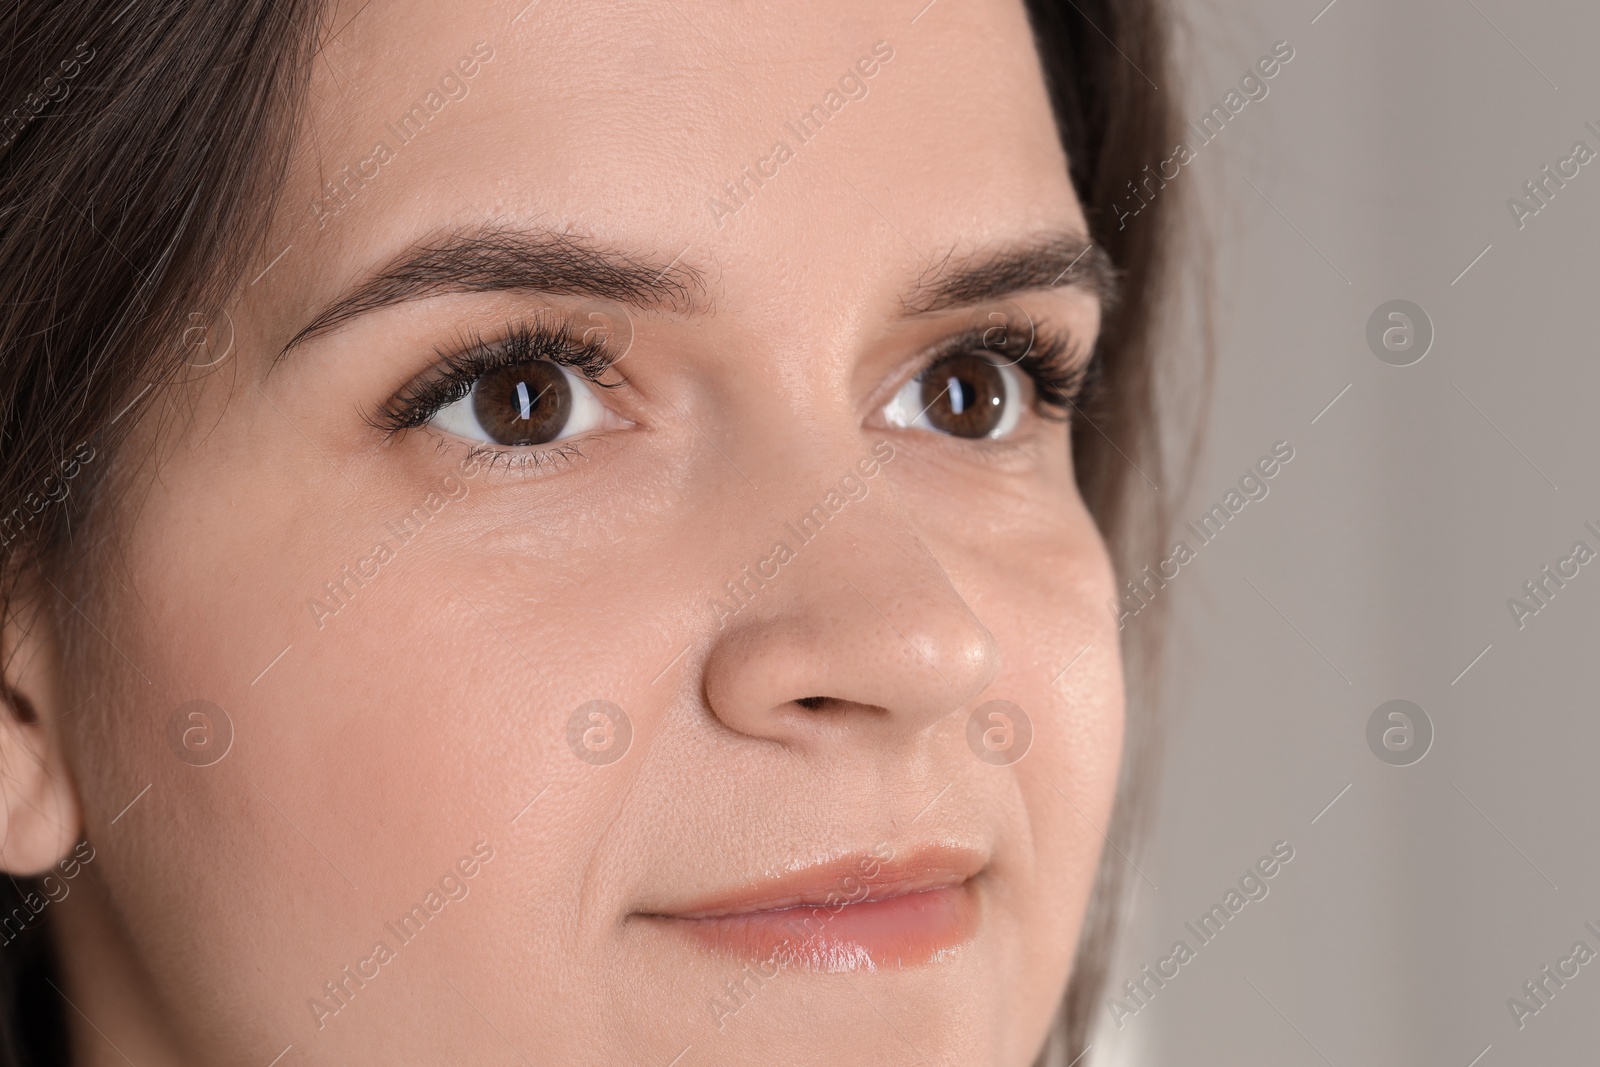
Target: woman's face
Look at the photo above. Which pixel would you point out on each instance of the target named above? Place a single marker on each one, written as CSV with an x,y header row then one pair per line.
x,y
404,557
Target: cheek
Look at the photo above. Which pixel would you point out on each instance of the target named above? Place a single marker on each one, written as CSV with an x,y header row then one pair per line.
x,y
1067,784
1044,598
367,754
377,740
1073,652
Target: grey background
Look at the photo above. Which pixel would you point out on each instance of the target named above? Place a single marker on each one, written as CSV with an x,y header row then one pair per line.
x,y
1381,162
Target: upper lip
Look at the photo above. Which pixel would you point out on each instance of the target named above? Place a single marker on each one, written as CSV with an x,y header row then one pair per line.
x,y
907,870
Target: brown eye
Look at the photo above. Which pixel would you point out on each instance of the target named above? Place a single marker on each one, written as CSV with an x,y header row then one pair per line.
x,y
521,404
965,396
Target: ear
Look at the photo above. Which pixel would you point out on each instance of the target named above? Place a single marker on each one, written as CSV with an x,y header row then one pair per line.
x,y
40,818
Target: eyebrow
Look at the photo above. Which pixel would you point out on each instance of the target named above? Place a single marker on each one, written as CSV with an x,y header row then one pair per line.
x,y
1066,258
497,259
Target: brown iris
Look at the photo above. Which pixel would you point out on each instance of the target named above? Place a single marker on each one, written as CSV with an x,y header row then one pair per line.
x,y
964,395
523,404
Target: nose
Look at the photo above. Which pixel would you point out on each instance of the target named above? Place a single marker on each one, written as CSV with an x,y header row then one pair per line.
x,y
861,632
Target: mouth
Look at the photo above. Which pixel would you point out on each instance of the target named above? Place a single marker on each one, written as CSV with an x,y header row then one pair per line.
x,y
863,912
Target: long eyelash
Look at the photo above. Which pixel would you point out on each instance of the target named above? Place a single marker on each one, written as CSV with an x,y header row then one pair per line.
x,y
461,365
1062,376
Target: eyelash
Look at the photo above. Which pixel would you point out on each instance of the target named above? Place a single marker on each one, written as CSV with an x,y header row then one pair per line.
x,y
472,357
1060,376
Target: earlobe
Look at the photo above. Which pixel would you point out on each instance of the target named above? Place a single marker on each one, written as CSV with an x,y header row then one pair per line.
x,y
40,818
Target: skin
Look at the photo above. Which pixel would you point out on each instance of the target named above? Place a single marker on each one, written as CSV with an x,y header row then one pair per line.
x,y
421,718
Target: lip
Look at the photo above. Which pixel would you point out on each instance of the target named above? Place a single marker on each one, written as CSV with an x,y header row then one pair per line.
x,y
863,911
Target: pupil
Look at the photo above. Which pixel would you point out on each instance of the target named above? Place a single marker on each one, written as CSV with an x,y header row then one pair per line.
x,y
964,395
523,404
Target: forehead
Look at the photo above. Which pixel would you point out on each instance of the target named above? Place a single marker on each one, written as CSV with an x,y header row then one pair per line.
x,y
847,143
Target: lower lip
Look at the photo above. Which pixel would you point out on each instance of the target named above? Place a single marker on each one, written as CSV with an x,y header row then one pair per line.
x,y
901,931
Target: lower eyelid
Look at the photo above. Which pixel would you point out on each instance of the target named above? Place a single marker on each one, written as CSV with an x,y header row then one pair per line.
x,y
556,455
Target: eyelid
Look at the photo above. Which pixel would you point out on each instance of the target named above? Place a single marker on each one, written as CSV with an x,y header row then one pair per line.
x,y
1051,357
459,366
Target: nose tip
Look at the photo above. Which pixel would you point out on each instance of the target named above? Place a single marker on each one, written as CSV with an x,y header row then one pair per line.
x,y
937,627
893,651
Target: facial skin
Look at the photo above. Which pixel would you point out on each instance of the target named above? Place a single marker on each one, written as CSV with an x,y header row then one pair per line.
x,y
378,741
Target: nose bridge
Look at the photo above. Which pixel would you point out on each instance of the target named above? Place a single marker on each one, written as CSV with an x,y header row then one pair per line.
x,y
848,610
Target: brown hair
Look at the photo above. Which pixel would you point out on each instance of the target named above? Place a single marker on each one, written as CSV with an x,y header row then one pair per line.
x,y
138,168
1106,66
138,162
